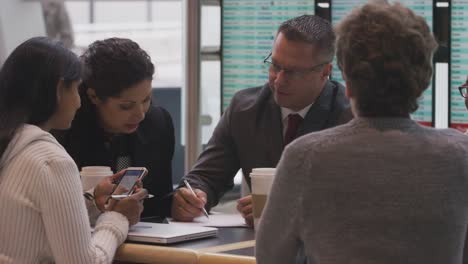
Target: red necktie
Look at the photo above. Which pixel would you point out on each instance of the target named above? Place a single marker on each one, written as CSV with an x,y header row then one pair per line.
x,y
294,121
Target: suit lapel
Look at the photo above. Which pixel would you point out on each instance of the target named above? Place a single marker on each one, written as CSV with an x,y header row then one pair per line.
x,y
317,115
273,126
276,134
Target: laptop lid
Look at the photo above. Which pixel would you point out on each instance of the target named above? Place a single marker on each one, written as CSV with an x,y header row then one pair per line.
x,y
168,233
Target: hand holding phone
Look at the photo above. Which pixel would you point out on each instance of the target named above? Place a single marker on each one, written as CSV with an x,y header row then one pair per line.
x,y
127,183
131,207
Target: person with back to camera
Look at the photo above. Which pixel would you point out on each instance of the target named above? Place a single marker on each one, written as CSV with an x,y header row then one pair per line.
x,y
117,125
43,214
297,99
381,188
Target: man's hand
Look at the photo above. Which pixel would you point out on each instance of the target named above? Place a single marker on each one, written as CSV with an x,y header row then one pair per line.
x,y
245,207
185,206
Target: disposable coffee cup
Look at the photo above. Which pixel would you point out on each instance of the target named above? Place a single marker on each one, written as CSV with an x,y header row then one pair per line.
x,y
92,175
261,180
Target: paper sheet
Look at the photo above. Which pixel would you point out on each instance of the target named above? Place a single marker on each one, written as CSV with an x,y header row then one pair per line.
x,y
216,220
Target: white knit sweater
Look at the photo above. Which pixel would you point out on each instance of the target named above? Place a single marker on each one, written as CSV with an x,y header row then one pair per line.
x,y
43,217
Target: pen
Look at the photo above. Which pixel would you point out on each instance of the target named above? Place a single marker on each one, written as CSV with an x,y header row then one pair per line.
x,y
190,188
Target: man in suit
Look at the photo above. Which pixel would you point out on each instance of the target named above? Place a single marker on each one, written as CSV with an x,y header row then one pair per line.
x,y
253,131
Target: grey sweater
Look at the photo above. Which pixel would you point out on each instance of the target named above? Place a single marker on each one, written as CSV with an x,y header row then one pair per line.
x,y
370,191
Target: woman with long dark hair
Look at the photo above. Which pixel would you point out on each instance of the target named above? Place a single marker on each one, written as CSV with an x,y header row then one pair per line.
x,y
42,211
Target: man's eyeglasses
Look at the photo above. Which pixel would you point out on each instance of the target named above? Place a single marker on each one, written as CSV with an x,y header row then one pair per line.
x,y
295,74
463,90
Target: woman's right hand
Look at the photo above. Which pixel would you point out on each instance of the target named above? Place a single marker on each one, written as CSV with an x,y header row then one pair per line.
x,y
132,206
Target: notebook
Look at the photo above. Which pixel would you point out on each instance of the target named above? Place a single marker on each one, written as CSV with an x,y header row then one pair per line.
x,y
168,233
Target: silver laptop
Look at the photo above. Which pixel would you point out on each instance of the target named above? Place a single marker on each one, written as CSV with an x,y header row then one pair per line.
x,y
168,233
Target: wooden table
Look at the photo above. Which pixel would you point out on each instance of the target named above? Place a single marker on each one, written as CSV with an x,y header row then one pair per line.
x,y
231,246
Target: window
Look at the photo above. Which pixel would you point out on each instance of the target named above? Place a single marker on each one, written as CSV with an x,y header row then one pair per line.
x,y
156,25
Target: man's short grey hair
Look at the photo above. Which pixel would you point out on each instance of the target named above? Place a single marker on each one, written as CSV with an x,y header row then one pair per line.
x,y
313,30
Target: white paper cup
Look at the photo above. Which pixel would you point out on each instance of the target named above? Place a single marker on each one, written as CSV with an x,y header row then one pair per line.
x,y
92,175
261,180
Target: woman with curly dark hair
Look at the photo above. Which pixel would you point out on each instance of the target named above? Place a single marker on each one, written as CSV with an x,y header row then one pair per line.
x,y
117,125
381,188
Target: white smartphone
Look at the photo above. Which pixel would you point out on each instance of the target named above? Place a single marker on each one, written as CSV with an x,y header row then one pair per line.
x,y
129,180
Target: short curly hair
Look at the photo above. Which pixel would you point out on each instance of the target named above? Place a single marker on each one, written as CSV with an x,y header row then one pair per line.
x,y
385,53
113,65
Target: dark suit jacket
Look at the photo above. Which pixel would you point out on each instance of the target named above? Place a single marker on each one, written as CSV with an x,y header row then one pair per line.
x,y
250,135
151,146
